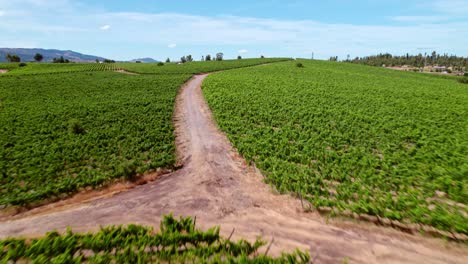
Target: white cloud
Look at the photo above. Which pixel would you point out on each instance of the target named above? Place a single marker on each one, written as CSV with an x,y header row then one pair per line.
x,y
105,27
288,36
139,33
2,13
419,19
455,7
242,51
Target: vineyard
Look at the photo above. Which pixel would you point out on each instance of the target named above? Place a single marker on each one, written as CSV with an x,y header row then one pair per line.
x,y
178,241
8,66
352,139
44,68
60,133
194,67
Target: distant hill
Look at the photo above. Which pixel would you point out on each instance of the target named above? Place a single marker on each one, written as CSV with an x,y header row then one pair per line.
x,y
146,60
49,54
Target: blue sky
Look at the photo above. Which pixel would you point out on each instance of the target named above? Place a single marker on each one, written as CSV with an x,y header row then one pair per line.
x,y
151,28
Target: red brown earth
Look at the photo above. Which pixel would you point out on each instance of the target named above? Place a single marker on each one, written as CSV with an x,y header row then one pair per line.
x,y
219,188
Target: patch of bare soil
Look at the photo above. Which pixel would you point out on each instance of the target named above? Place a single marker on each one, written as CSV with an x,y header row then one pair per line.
x,y
218,187
126,72
3,71
84,196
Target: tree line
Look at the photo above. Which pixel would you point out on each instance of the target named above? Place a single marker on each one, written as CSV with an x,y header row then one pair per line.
x,y
219,57
420,60
37,57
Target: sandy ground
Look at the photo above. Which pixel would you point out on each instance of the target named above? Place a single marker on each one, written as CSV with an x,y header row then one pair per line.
x,y
126,72
217,187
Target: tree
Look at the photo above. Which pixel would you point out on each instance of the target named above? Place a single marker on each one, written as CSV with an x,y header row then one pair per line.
x,y
208,57
60,60
168,60
13,58
97,60
189,58
202,58
38,57
239,57
183,59
262,57
219,56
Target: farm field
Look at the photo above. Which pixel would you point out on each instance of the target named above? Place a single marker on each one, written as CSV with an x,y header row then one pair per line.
x,y
195,66
44,68
352,138
8,66
63,132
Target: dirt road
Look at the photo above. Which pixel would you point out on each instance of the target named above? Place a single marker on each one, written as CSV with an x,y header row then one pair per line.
x,y
217,187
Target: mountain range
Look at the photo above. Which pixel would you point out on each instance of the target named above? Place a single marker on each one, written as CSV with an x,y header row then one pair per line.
x,y
146,60
49,55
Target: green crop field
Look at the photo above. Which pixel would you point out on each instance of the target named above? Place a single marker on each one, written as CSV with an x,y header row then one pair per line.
x,y
194,67
354,138
63,132
43,68
178,241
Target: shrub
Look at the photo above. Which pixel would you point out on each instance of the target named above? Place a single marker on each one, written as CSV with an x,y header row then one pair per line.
x,y
22,64
128,169
463,80
299,65
160,64
75,127
466,74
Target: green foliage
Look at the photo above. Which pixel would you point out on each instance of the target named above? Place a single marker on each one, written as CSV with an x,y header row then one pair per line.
x,y
38,57
160,64
178,241
13,58
195,66
63,132
463,80
8,66
75,127
22,64
369,140
48,68
418,60
299,65
60,60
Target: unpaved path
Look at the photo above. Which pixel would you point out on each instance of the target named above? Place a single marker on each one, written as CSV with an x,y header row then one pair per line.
x,y
3,71
217,187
